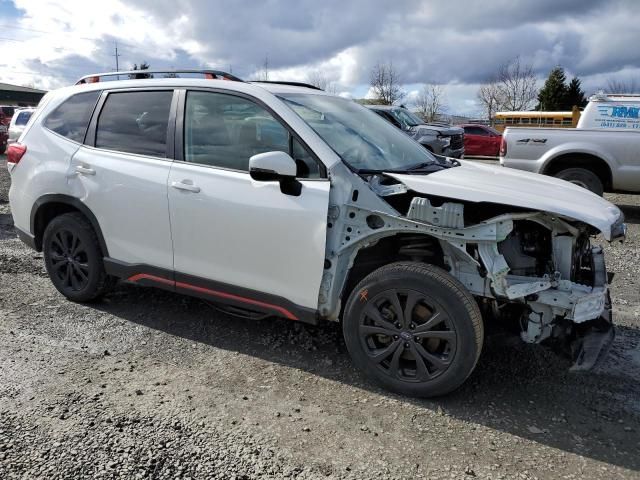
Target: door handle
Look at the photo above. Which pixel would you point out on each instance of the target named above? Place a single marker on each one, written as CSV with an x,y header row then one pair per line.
x,y
185,186
85,170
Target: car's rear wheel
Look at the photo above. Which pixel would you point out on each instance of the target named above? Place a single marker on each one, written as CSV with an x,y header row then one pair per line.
x,y
73,258
414,329
583,178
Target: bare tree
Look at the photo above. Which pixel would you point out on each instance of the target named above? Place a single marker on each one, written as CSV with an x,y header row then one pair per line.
x,y
517,85
615,85
385,83
430,102
489,99
317,78
514,88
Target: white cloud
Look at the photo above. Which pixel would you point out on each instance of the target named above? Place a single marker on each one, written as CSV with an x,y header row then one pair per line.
x,y
457,46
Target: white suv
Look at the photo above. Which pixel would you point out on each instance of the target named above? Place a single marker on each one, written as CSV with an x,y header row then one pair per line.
x,y
280,199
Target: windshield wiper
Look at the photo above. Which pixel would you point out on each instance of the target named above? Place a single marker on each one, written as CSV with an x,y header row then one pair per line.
x,y
419,166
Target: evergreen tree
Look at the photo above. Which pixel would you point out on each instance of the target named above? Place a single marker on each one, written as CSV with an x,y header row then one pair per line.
x,y
553,94
575,95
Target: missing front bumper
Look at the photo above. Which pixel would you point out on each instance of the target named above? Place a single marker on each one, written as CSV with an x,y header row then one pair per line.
x,y
592,348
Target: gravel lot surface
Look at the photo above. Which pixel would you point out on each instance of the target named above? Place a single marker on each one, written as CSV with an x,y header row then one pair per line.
x,y
148,384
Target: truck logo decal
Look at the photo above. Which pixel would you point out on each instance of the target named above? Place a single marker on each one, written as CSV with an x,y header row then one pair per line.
x,y
619,111
618,116
534,141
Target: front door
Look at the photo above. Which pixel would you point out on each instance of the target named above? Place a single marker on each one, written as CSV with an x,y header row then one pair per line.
x,y
234,238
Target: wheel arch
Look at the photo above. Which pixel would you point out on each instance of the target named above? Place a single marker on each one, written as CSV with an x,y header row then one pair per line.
x,y
47,207
397,246
578,159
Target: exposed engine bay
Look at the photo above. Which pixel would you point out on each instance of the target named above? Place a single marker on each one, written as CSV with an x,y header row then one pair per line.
x,y
535,272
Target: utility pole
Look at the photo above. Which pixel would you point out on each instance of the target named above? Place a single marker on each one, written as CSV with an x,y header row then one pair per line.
x,y
117,55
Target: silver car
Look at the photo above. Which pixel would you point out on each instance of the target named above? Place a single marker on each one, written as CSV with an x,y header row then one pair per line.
x,y
18,122
438,138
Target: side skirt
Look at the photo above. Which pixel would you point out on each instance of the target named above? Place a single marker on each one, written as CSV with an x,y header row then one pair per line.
x,y
148,276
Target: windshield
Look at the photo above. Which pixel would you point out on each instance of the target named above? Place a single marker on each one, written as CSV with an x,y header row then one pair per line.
x,y
406,118
365,141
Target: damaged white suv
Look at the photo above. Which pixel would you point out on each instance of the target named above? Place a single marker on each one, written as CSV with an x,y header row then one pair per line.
x,y
280,199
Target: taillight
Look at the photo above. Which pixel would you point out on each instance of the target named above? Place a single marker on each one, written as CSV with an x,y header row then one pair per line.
x,y
503,148
15,152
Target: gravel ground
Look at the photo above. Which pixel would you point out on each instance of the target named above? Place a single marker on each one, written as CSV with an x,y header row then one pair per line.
x,y
148,384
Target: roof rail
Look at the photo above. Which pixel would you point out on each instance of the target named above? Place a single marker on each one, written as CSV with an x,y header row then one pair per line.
x,y
293,84
208,74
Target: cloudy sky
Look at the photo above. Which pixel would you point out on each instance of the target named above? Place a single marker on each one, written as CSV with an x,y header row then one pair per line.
x,y
455,43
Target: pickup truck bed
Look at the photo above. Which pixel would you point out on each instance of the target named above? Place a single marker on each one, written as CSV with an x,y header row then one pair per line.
x,y
601,160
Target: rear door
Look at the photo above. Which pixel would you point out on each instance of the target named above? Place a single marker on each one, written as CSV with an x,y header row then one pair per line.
x,y
237,239
121,174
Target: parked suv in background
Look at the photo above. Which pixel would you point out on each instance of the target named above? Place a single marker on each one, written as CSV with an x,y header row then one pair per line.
x,y
481,140
287,201
438,138
6,112
18,123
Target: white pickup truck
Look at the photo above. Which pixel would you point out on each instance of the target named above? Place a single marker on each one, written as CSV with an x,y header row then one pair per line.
x,y
601,154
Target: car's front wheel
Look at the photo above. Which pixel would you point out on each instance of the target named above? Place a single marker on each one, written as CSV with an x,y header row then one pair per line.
x,y
73,258
414,329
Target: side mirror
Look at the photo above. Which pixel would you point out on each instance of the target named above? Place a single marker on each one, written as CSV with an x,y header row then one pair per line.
x,y
276,167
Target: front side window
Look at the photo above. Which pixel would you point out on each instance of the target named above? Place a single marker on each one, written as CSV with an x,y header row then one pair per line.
x,y
71,118
135,122
225,131
406,118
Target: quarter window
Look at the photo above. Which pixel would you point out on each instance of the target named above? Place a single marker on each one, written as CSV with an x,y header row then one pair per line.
x,y
135,122
225,131
71,118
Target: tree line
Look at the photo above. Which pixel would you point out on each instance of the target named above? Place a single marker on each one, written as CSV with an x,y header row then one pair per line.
x,y
514,87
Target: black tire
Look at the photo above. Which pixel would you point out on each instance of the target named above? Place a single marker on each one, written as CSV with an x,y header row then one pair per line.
x,y
73,258
3,148
583,178
434,350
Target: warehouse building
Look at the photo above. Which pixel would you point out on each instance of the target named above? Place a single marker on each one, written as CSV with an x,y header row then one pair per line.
x,y
19,96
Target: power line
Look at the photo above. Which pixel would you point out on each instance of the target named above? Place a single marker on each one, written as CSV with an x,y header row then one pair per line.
x,y
49,32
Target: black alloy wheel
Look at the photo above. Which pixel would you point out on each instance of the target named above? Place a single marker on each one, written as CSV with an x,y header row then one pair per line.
x,y
414,329
408,335
74,259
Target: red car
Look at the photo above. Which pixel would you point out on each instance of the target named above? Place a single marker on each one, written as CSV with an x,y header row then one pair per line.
x,y
5,119
481,140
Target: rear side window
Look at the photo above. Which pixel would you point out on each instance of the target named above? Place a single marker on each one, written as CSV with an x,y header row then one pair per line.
x,y
135,122
71,118
23,118
475,131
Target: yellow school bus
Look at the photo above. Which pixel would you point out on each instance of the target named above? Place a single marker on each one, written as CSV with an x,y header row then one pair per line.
x,y
568,119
